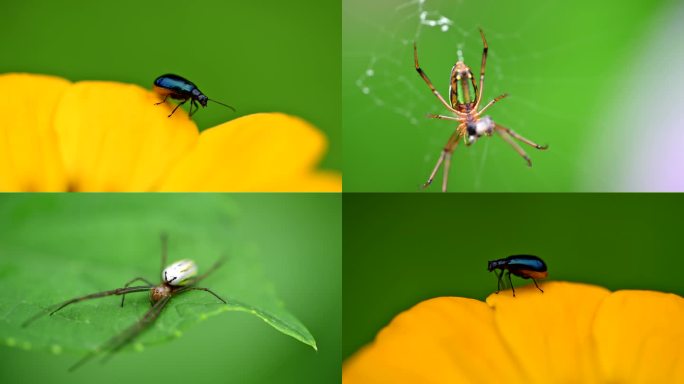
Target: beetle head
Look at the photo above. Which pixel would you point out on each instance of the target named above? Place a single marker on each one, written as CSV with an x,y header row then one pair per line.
x,y
202,100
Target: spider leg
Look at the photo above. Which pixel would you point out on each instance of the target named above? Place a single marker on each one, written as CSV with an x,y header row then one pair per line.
x,y
166,279
123,296
503,96
454,137
118,291
119,341
201,289
163,101
442,117
429,83
447,164
434,170
164,253
518,137
213,268
448,149
179,104
515,145
482,68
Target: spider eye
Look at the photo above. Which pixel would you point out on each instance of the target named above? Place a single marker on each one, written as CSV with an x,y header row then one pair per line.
x,y
180,272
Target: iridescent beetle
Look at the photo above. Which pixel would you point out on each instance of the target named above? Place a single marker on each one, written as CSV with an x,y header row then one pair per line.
x,y
177,278
524,266
464,100
180,88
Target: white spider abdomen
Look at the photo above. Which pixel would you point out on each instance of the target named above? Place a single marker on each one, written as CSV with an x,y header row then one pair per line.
x,y
484,126
180,272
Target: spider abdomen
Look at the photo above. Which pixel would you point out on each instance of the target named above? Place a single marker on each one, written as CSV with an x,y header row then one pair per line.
x,y
462,89
180,272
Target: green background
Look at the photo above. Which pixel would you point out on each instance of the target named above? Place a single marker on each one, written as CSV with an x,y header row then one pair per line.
x,y
258,56
295,238
401,249
561,62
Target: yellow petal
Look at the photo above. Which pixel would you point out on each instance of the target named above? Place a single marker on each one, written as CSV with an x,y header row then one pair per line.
x,y
571,333
29,155
442,340
113,137
260,152
549,334
640,337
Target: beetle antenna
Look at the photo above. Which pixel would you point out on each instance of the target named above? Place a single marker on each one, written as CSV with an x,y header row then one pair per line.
x,y
225,105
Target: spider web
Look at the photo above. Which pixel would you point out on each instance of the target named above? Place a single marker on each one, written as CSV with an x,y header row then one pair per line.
x,y
389,85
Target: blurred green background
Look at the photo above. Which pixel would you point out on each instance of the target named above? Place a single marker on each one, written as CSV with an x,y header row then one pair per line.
x,y
565,65
401,249
256,56
294,238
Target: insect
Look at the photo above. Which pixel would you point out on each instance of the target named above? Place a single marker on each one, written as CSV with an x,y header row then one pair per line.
x,y
180,88
525,266
464,100
177,278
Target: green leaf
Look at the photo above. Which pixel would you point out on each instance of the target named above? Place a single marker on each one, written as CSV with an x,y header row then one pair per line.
x,y
57,247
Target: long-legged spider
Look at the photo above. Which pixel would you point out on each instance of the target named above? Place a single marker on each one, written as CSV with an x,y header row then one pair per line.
x,y
465,97
177,278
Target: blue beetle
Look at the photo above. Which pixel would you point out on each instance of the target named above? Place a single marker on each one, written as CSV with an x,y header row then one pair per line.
x,y
179,88
525,266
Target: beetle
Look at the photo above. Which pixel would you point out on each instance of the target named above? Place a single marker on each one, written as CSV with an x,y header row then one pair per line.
x,y
524,266
180,88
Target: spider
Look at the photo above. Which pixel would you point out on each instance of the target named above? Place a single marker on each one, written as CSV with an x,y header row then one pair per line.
x,y
177,278
465,98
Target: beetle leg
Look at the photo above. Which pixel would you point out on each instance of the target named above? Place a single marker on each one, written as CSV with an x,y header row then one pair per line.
x,y
511,283
179,104
163,101
498,281
535,284
192,103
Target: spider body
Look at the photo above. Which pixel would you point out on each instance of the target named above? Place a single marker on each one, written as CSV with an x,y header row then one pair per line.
x,y
462,80
177,278
180,88
524,266
174,277
465,97
160,291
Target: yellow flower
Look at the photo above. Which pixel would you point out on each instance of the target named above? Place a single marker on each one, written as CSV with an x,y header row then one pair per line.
x,y
572,333
105,136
